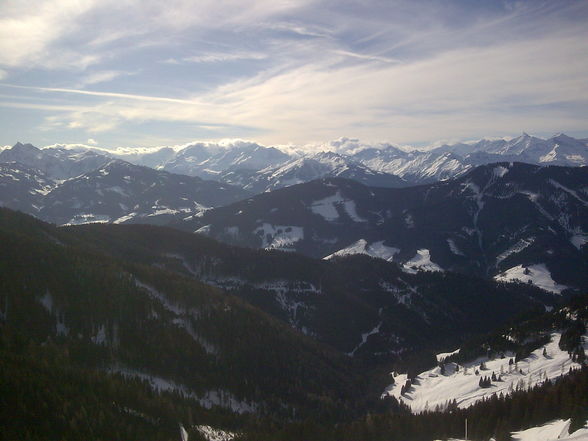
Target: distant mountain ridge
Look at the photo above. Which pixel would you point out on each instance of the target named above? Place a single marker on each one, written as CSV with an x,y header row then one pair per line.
x,y
72,187
260,168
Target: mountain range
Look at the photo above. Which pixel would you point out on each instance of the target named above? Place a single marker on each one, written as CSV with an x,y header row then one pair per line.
x,y
259,168
146,329
505,220
67,187
326,303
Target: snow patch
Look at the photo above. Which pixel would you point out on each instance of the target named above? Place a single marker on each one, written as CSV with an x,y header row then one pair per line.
x,y
442,356
421,262
212,434
376,249
537,275
364,339
210,399
516,248
453,247
86,218
500,171
579,240
279,237
327,208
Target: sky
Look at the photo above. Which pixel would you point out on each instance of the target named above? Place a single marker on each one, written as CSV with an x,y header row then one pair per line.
x,y
145,72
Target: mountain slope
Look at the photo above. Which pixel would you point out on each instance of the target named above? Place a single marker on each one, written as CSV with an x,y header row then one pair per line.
x,y
116,191
122,192
362,307
144,322
55,163
308,168
487,222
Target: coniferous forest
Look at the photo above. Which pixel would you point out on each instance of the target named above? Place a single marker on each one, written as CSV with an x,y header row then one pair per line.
x,y
104,337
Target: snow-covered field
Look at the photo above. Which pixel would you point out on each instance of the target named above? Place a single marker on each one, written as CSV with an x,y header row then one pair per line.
x,y
327,208
421,262
279,237
432,389
537,274
553,431
376,249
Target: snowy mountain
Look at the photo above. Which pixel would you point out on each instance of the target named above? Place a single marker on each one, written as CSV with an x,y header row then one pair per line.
x,y
23,188
489,222
453,160
259,168
308,168
56,163
116,191
210,160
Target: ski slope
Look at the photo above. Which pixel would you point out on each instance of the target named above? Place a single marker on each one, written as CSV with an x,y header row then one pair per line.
x,y
552,431
433,390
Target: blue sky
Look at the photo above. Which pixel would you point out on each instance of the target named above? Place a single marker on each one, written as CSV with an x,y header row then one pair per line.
x,y
146,72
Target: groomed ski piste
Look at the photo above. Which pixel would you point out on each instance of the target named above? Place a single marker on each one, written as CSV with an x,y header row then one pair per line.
x,y
556,430
431,390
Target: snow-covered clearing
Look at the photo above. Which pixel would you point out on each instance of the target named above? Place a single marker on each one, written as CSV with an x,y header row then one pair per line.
x,y
327,208
552,431
537,275
376,249
421,262
579,240
86,218
432,389
279,237
516,248
500,171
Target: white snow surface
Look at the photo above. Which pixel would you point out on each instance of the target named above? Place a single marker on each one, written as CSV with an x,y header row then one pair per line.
x,y
500,171
537,275
552,431
327,208
86,218
516,248
279,237
376,249
433,389
421,262
212,434
442,356
579,240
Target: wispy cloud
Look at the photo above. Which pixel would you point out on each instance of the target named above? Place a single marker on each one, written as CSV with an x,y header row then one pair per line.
x,y
101,76
296,71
